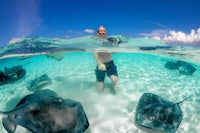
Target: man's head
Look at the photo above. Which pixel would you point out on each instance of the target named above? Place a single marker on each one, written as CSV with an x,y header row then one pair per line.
x,y
101,31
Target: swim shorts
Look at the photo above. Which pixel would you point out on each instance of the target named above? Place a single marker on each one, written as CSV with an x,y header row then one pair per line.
x,y
111,69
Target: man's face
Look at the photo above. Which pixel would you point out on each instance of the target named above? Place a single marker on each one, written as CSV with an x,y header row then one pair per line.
x,y
101,31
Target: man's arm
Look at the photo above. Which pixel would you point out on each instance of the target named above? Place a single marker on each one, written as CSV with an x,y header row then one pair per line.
x,y
100,64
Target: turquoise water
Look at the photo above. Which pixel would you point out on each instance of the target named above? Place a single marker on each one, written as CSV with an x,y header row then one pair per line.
x,y
139,72
73,77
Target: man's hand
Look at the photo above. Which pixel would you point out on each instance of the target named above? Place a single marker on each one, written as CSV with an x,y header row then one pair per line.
x,y
102,67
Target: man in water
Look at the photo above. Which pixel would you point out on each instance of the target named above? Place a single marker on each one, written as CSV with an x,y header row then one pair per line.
x,y
105,65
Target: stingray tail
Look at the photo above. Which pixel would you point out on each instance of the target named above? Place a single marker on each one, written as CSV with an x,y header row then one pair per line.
x,y
184,99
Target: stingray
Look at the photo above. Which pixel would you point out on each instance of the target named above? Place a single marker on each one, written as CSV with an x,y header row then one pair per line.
x,y
45,112
182,66
11,74
57,55
155,113
60,54
39,83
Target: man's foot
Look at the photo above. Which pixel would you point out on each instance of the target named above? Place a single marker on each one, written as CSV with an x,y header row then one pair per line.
x,y
100,86
113,89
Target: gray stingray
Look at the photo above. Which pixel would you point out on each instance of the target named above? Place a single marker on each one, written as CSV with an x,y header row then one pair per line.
x,y
45,112
57,55
11,74
155,113
183,67
39,83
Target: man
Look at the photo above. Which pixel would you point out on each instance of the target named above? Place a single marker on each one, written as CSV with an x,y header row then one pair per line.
x,y
105,65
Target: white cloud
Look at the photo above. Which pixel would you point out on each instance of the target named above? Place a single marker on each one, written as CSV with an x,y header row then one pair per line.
x,y
181,37
28,17
75,33
173,36
89,31
157,24
155,33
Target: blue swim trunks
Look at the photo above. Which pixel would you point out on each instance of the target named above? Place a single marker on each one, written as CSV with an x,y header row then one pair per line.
x,y
111,69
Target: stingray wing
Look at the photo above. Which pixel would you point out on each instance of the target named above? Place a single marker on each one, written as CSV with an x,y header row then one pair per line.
x,y
155,113
9,125
39,83
10,122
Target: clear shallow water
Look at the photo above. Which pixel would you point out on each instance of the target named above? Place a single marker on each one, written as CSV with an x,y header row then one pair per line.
x,y
73,77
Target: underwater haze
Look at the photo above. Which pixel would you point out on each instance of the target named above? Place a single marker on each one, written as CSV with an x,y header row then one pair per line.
x,y
143,67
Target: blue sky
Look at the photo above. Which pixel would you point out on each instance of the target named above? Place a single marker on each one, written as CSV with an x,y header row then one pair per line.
x,y
166,20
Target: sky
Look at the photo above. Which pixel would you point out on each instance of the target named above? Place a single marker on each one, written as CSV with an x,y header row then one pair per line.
x,y
170,21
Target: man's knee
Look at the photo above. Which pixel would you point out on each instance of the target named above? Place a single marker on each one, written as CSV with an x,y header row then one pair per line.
x,y
114,79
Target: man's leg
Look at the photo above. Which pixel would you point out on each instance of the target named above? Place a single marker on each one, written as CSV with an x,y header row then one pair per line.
x,y
100,86
100,76
112,73
114,80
